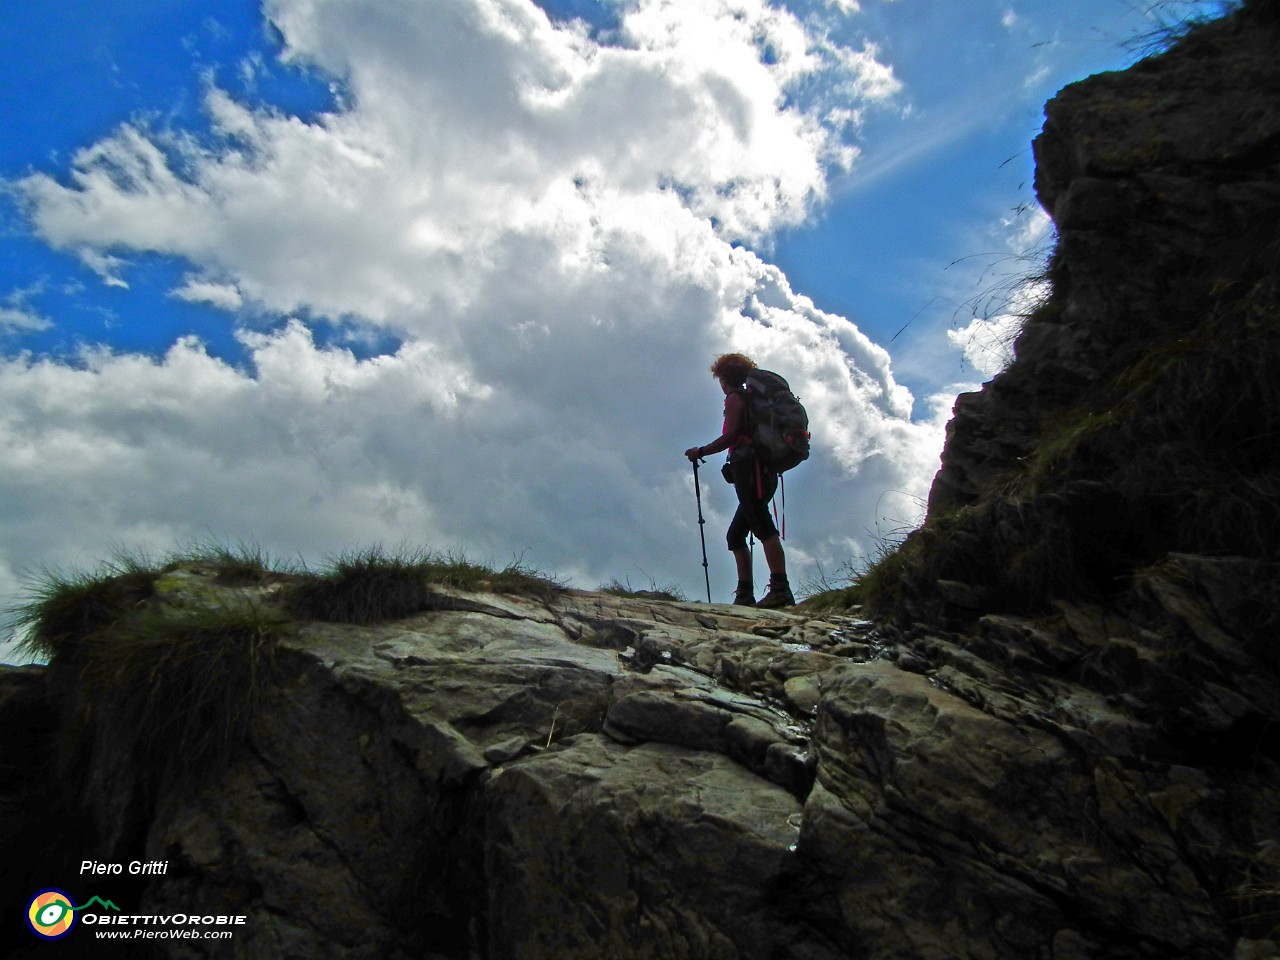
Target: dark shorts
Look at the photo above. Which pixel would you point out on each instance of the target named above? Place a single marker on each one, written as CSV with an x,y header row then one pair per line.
x,y
754,493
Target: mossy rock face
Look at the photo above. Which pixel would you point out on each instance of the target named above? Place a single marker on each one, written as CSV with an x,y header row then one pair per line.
x,y
1139,417
195,586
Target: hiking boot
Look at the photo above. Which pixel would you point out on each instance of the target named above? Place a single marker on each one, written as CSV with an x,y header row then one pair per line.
x,y
779,595
745,596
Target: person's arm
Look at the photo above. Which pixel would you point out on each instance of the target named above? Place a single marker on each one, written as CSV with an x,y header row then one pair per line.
x,y
734,415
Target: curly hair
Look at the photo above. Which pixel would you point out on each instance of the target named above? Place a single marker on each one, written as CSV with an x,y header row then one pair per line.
x,y
732,366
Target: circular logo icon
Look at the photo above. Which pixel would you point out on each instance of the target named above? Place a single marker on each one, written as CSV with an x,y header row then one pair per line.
x,y
50,914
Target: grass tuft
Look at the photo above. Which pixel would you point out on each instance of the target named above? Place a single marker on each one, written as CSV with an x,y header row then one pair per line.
x,y
66,609
619,588
172,687
1176,21
180,689
166,661
239,563
833,600
368,585
849,586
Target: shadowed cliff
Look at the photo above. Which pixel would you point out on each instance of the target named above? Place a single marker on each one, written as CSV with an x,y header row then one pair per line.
x,y
1141,414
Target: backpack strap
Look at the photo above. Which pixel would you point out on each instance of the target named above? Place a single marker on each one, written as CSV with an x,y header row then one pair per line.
x,y
746,437
782,488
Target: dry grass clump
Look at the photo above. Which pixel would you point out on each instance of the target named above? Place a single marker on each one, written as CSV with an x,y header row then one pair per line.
x,y
182,689
64,610
172,685
624,588
169,659
372,584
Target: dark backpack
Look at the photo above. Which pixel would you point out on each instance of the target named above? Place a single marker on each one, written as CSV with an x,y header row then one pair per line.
x,y
778,422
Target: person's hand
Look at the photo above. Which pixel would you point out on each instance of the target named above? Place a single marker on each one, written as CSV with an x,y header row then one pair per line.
x,y
694,454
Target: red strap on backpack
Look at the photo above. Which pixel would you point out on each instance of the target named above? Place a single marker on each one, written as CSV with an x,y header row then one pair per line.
x,y
782,485
782,527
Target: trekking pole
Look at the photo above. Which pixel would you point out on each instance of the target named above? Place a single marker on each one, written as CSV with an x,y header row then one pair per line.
x,y
702,532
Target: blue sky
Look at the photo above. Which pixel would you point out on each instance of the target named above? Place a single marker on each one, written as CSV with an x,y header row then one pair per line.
x,y
450,272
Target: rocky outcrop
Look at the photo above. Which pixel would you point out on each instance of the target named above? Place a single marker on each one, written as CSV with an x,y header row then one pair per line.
x,y
1103,537
587,775
1140,414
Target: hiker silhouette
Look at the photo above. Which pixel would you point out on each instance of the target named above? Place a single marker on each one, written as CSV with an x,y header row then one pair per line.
x,y
754,479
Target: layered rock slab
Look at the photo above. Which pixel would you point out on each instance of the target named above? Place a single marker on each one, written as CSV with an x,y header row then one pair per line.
x,y
645,851
412,788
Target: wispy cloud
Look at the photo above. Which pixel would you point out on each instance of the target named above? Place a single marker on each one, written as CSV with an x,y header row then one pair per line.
x,y
17,315
225,296
15,319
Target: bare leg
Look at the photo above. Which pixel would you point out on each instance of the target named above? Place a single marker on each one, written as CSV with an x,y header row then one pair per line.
x,y
745,595
775,556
